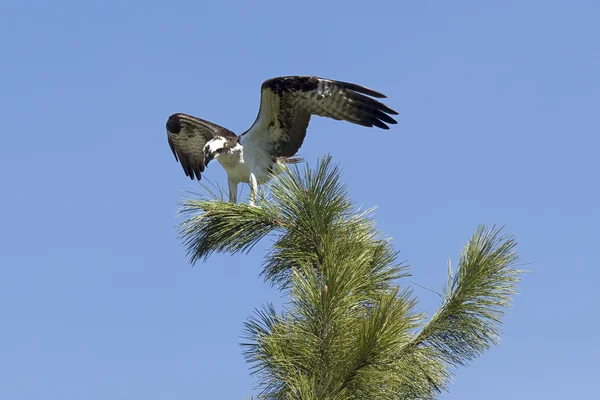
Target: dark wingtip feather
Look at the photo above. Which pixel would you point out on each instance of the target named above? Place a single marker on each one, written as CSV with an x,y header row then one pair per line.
x,y
363,90
386,118
374,118
386,109
370,111
376,122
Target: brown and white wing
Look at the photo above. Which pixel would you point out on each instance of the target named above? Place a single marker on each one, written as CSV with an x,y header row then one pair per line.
x,y
187,136
288,102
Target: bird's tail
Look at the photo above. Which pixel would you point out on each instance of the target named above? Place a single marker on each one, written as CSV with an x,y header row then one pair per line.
x,y
281,164
290,160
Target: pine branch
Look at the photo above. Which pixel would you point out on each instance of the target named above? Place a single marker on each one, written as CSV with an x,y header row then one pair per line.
x,y
219,226
476,298
348,330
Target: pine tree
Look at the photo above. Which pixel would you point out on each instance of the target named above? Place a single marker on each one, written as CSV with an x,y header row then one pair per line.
x,y
349,329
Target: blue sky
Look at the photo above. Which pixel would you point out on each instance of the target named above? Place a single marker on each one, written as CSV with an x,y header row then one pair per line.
x,y
498,123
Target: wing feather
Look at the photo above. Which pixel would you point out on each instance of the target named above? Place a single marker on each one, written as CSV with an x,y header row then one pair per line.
x,y
187,136
288,102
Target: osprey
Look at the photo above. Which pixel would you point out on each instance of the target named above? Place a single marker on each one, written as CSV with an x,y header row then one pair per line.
x,y
286,106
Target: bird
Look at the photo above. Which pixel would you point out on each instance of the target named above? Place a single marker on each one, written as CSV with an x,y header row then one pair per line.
x,y
272,142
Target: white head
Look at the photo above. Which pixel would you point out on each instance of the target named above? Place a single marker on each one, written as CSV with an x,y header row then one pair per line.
x,y
215,148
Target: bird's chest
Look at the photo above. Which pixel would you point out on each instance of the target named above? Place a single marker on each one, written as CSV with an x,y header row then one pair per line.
x,y
234,165
256,157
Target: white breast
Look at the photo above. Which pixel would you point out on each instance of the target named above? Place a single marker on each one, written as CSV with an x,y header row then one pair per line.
x,y
257,153
234,165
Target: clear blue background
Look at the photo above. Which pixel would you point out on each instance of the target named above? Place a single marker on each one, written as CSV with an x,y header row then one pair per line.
x,y
499,121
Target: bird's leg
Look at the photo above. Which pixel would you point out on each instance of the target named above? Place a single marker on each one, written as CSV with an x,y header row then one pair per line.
x,y
253,189
232,191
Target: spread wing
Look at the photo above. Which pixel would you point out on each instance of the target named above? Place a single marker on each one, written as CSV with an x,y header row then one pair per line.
x,y
287,104
187,136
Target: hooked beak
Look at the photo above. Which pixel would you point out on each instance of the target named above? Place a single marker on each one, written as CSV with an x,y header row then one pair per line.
x,y
208,157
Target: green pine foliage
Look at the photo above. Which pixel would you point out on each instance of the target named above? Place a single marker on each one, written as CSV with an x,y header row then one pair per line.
x,y
350,329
